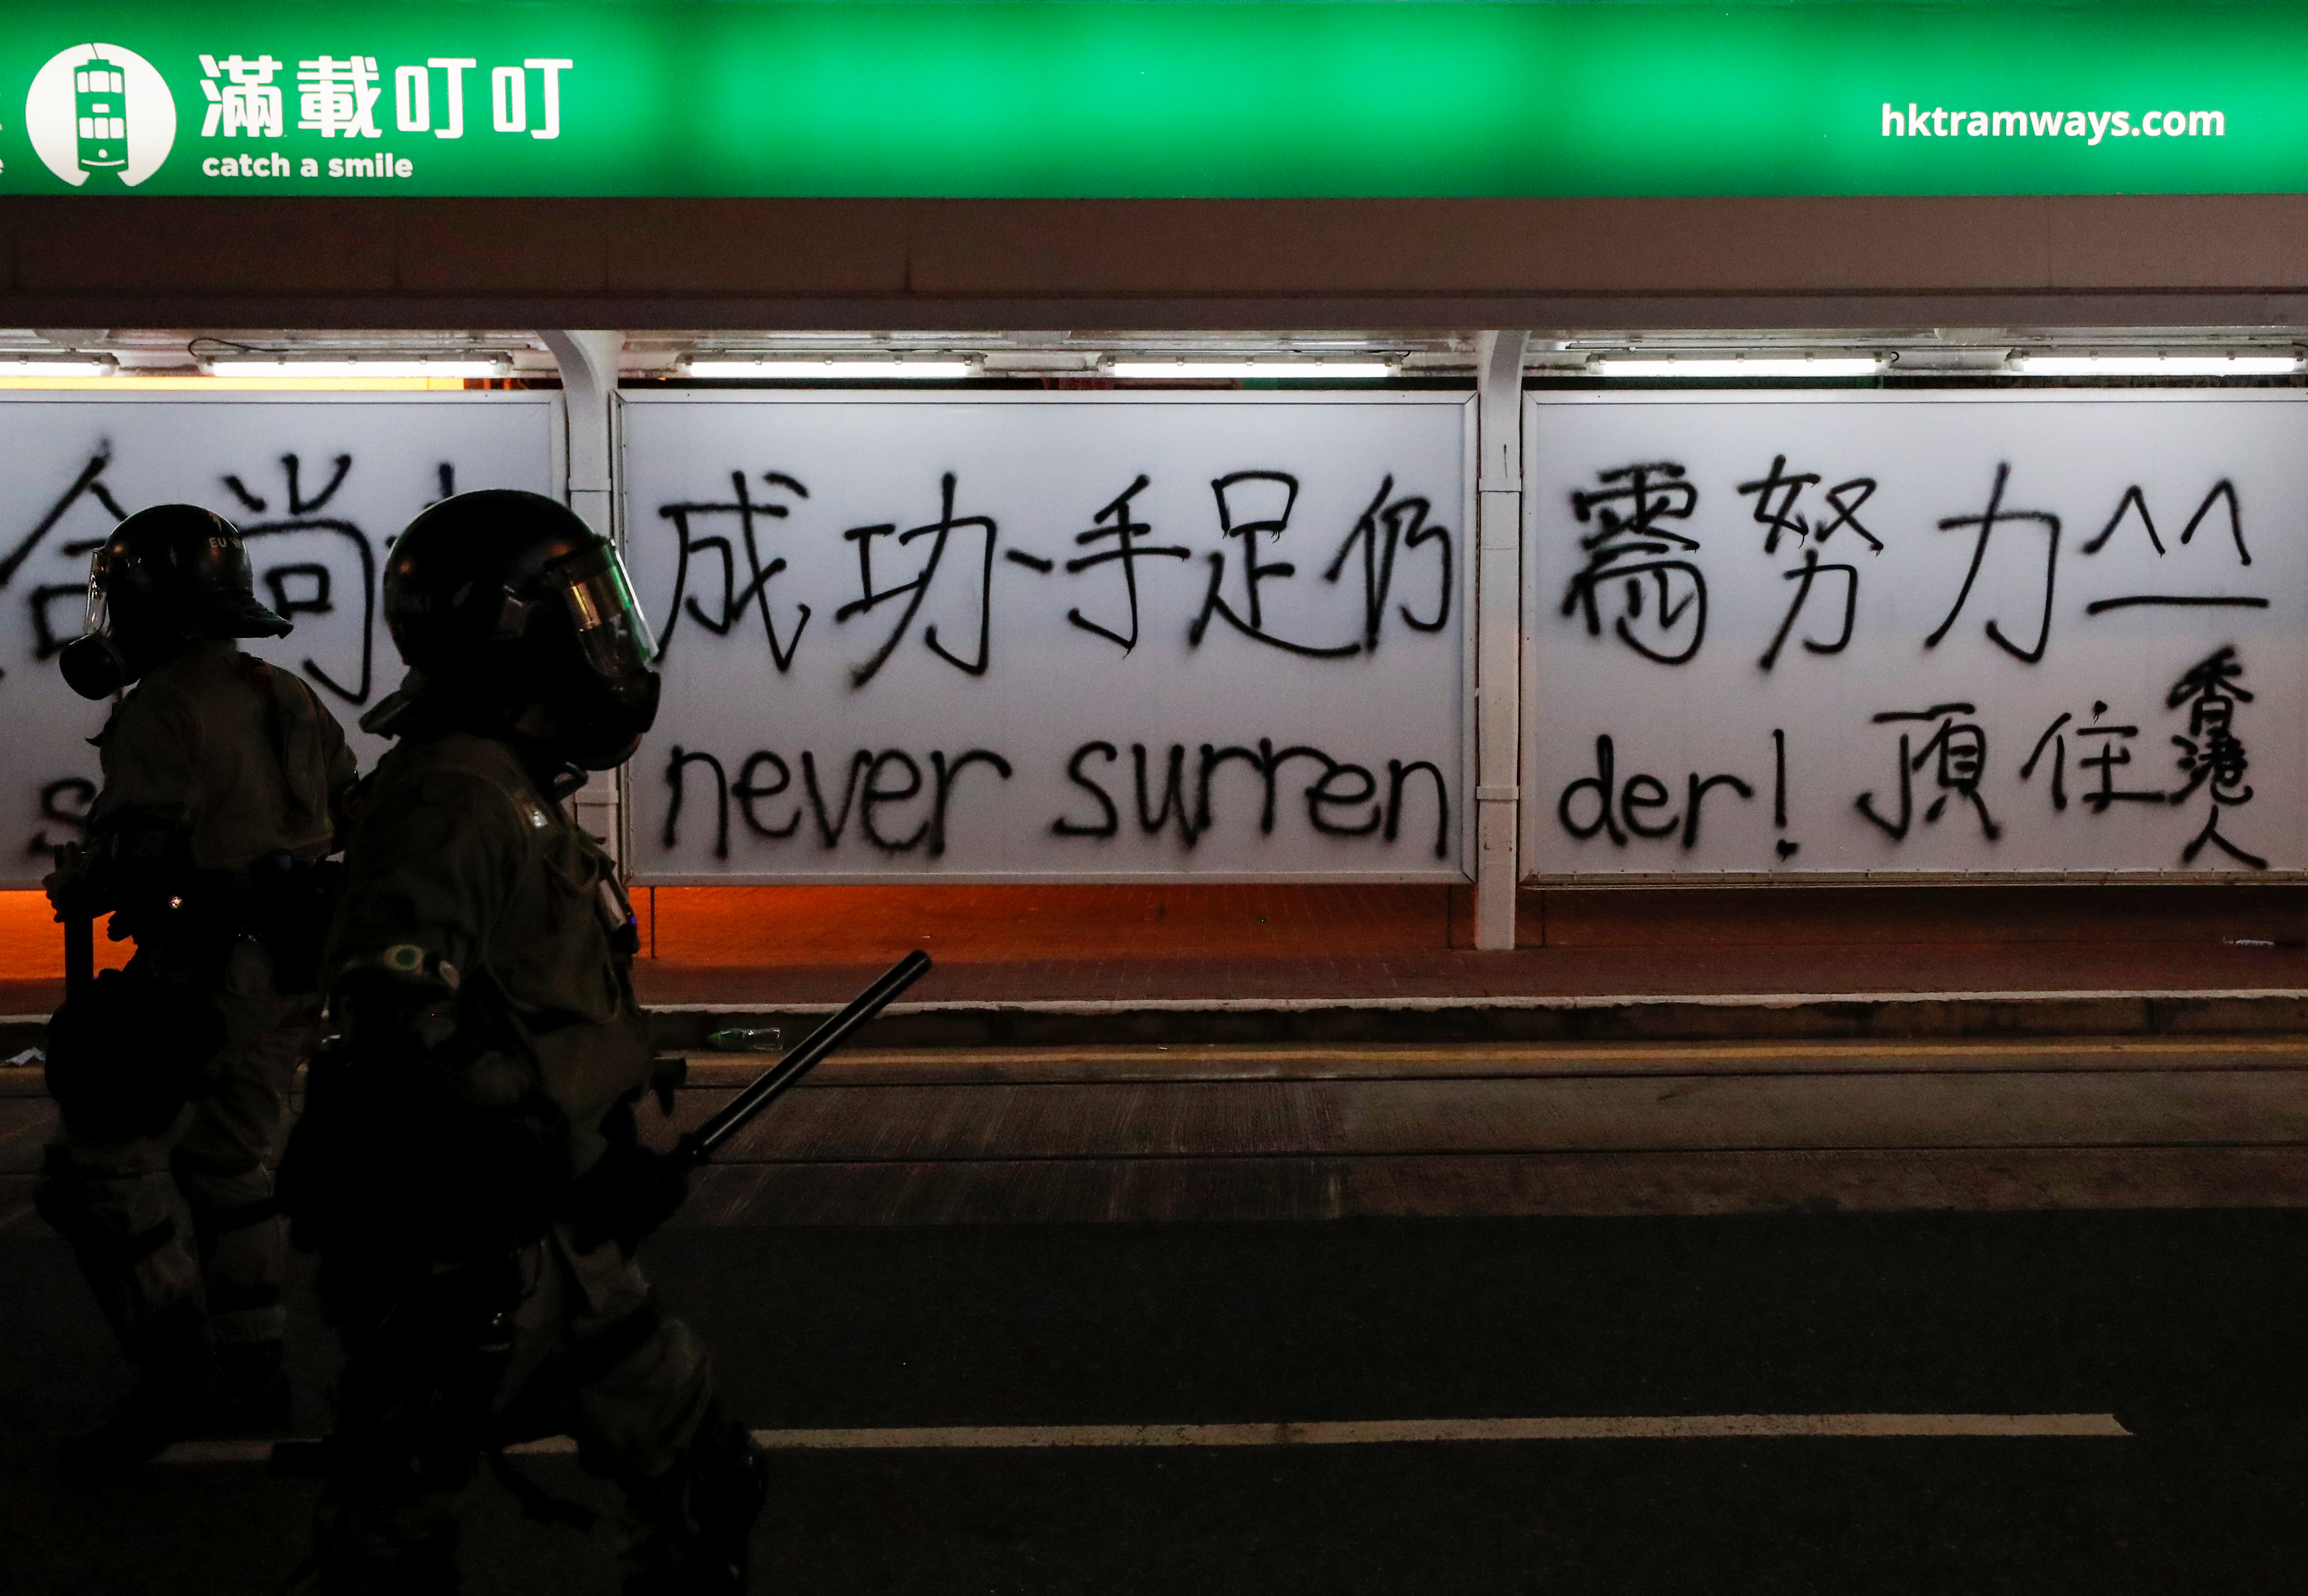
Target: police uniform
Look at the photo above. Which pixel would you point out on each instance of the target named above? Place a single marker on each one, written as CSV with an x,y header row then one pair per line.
x,y
463,872
220,774
481,1095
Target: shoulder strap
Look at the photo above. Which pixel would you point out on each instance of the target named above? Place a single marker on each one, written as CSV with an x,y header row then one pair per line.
x,y
292,729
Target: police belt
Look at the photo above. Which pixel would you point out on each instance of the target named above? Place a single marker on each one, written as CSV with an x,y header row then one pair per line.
x,y
280,900
237,898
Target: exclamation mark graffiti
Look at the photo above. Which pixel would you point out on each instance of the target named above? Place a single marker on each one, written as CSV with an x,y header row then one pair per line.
x,y
1779,791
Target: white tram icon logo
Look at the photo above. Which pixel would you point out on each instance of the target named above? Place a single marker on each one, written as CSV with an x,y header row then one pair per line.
x,y
99,111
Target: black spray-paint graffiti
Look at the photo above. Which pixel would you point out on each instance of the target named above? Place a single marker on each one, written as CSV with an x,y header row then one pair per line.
x,y
1776,493
1663,595
1633,519
869,786
2102,748
64,801
1992,517
1635,806
87,484
1128,549
1804,575
2134,505
303,516
306,562
1248,503
1385,529
2211,757
735,600
941,532
1251,491
2211,760
1630,551
1786,848
1388,525
1333,799
864,792
296,586
1959,748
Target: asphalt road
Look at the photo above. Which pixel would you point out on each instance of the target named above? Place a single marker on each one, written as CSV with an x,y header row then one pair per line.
x,y
2188,1325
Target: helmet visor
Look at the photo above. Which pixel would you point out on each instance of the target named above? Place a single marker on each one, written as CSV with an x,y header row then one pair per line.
x,y
100,613
610,626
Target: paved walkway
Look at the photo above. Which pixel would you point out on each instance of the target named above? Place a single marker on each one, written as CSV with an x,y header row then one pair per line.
x,y
1169,1133
769,947
1665,972
1180,943
1179,1053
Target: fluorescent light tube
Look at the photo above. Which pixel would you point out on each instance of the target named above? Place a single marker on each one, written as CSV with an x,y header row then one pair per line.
x,y
1249,370
243,366
2155,365
1826,365
40,365
915,371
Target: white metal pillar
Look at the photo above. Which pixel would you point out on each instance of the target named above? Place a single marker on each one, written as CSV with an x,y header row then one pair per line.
x,y
588,389
1498,636
588,384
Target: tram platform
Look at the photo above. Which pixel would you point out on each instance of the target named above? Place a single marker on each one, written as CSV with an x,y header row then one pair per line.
x,y
1236,963
1148,1055
1081,964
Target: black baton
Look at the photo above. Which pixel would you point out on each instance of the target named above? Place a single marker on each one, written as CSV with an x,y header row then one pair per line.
x,y
697,1147
79,954
309,1458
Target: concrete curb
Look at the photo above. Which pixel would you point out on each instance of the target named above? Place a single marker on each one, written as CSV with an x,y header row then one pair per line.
x,y
1519,1018
1045,1023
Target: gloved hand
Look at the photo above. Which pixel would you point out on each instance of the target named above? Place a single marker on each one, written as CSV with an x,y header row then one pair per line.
x,y
628,1192
57,883
72,889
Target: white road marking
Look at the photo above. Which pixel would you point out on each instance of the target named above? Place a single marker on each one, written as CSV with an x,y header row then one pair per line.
x,y
1638,1427
1664,1426
238,1450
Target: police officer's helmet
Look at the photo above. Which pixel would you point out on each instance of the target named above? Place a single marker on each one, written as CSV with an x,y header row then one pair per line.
x,y
167,575
508,602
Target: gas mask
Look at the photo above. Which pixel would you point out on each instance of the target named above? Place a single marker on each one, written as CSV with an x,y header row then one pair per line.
x,y
94,667
94,664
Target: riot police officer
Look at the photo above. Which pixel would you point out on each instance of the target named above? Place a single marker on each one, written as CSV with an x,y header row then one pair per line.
x,y
468,1165
220,775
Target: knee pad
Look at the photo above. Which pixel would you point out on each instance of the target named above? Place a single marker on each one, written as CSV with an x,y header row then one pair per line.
x,y
213,1221
253,1201
699,1516
404,1434
67,1197
419,1383
365,1545
191,1169
123,1058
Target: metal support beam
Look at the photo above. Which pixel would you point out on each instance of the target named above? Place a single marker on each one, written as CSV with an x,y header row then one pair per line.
x,y
589,391
588,387
1498,636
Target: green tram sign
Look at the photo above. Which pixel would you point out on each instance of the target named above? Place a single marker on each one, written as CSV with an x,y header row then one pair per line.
x,y
1140,99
